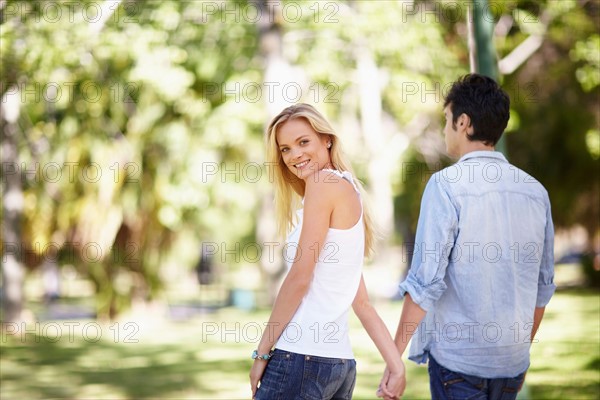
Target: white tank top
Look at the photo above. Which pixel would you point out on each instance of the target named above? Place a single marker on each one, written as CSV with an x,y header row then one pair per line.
x,y
320,325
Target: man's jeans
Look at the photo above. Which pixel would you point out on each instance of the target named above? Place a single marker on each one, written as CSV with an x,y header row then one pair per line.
x,y
446,384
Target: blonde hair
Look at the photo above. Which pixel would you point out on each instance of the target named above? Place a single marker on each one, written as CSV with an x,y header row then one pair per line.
x,y
289,189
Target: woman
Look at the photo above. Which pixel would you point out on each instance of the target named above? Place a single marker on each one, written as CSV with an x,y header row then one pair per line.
x,y
329,238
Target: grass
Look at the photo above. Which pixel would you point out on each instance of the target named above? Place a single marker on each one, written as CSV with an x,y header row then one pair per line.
x,y
207,357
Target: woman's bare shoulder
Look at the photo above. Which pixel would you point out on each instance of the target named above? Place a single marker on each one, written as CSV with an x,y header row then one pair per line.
x,y
328,183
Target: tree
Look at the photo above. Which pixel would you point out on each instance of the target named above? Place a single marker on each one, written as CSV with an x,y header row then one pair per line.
x,y
119,140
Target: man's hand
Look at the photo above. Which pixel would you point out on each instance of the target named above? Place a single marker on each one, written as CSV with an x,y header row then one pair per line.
x,y
392,384
256,374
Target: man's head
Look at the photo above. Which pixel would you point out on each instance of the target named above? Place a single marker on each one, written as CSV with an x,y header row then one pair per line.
x,y
479,107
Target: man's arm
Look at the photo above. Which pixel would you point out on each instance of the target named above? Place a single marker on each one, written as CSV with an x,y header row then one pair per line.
x,y
436,232
538,314
411,317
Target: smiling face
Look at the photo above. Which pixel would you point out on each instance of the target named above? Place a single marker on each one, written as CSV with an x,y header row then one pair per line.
x,y
303,150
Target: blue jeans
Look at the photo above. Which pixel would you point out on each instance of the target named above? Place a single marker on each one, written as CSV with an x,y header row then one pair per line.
x,y
291,376
446,384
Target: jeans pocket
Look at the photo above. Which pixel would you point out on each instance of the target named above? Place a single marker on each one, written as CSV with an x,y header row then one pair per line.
x,y
322,378
274,381
346,389
511,386
463,387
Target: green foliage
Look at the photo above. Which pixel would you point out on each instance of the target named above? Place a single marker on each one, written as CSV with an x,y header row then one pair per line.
x,y
587,51
132,123
556,111
139,132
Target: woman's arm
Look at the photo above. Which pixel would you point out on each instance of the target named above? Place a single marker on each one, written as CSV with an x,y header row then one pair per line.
x,y
380,335
318,206
319,201
412,315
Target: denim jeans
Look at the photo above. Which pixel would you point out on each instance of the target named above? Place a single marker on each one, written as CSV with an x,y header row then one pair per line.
x,y
446,384
291,376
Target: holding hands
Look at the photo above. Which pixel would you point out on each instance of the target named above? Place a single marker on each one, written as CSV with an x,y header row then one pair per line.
x,y
393,383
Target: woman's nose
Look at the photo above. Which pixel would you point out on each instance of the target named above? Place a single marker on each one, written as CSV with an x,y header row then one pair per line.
x,y
296,153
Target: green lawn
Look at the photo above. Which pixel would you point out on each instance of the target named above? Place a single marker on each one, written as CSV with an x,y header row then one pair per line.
x,y
207,357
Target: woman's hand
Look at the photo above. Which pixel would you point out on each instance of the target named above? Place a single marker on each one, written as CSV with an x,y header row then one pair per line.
x,y
256,374
392,384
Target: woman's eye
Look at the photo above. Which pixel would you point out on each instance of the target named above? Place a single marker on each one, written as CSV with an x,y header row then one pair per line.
x,y
303,141
284,149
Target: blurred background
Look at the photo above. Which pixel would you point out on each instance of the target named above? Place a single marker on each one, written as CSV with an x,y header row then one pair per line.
x,y
139,254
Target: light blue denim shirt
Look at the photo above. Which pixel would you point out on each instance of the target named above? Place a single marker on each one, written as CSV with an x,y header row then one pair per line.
x,y
483,260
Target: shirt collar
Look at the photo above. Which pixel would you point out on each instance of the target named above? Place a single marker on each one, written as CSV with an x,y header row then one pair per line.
x,y
484,154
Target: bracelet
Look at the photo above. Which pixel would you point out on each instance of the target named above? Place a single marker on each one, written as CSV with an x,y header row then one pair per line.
x,y
263,356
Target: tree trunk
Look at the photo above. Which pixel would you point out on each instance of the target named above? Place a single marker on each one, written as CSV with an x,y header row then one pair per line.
x,y
375,139
277,72
13,273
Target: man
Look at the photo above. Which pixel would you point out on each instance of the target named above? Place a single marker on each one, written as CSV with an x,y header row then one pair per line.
x,y
483,267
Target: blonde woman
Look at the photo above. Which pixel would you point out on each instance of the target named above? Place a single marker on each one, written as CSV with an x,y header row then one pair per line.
x,y
305,351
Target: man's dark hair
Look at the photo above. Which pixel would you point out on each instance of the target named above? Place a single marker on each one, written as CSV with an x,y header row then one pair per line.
x,y
484,101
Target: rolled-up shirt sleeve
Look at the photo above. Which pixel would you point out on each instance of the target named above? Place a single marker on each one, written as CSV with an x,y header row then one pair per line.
x,y
546,286
436,234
